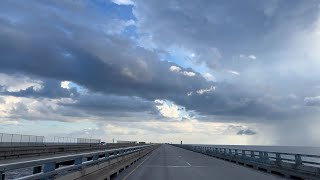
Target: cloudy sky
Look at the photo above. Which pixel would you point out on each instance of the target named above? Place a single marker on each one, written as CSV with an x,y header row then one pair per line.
x,y
209,71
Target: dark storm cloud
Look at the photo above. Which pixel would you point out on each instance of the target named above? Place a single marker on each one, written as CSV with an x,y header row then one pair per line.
x,y
229,27
219,32
110,103
54,46
67,42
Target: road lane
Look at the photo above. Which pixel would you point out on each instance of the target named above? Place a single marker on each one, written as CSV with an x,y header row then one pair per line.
x,y
173,163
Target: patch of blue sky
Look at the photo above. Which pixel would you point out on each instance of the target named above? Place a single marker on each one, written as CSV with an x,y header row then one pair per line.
x,y
111,9
183,59
79,88
130,32
65,31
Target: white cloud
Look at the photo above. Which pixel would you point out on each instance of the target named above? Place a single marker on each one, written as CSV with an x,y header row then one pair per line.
x,y
175,69
253,57
209,77
233,72
65,84
123,2
190,74
16,83
189,93
167,109
208,90
248,57
178,70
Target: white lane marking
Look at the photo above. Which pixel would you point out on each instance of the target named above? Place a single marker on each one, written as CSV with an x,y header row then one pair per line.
x,y
189,164
176,166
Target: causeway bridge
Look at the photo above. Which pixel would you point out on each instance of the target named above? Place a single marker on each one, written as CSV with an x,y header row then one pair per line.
x,y
165,162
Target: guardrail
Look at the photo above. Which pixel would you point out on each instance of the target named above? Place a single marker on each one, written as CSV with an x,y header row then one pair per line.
x,y
295,166
20,140
50,167
32,140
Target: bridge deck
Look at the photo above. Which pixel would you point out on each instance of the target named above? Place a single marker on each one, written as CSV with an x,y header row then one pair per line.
x,y
169,162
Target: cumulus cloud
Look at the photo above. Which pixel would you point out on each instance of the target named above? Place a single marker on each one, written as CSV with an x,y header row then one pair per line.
x,y
167,109
175,69
186,73
178,70
65,84
18,82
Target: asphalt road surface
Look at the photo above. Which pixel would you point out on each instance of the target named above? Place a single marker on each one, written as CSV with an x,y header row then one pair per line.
x,y
173,163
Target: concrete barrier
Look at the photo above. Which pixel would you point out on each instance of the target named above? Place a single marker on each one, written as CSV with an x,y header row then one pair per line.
x,y
15,152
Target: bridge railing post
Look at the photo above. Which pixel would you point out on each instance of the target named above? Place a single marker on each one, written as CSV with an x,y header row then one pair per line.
x,y
95,157
298,159
51,166
244,153
2,176
252,154
36,169
263,156
278,158
266,157
78,161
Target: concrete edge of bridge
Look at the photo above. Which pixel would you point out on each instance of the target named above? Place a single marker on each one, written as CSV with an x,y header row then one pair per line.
x,y
107,169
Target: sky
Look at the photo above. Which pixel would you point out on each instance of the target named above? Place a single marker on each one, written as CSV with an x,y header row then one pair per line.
x,y
204,72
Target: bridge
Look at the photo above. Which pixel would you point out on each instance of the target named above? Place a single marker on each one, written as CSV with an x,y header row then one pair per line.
x,y
164,161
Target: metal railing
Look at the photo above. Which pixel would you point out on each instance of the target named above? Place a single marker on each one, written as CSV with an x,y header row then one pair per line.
x,y
50,167
88,141
308,164
32,140
20,140
71,140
